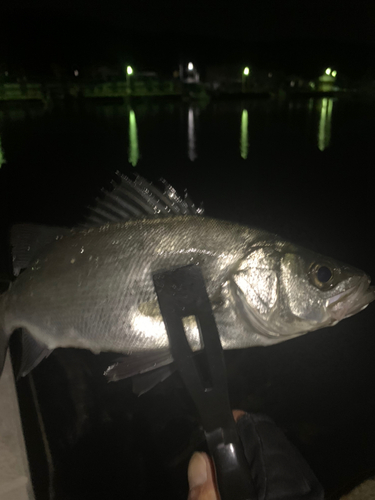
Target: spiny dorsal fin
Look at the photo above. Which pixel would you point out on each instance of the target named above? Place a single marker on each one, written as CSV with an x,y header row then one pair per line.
x,y
137,199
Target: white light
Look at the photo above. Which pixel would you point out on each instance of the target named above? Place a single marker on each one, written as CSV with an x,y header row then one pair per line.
x,y
328,71
292,84
76,72
334,73
190,66
246,71
269,75
129,70
192,153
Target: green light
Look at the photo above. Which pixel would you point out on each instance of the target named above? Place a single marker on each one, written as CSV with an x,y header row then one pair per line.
x,y
245,73
328,71
129,70
244,143
334,73
133,139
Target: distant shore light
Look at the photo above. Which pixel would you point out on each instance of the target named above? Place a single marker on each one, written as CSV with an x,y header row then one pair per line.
x,y
76,73
129,70
190,66
334,73
328,71
246,71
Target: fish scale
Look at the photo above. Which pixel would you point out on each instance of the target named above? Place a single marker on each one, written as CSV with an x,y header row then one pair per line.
x,y
103,287
92,287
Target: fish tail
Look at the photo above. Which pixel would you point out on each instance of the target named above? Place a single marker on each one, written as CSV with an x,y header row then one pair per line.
x,y
4,338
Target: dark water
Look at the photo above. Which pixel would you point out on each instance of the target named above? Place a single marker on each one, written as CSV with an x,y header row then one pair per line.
x,y
302,168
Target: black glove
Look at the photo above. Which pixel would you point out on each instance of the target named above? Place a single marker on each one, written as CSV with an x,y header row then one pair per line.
x,y
278,470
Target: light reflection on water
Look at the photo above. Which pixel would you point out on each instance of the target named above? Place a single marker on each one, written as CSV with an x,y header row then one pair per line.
x,y
2,157
163,126
325,123
192,153
244,144
133,139
313,116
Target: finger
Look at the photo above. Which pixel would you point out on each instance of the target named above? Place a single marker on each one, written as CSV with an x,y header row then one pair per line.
x,y
237,414
201,478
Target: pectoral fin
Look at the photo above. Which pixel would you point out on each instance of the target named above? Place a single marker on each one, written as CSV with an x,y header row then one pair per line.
x,y
146,368
146,381
136,363
4,340
33,352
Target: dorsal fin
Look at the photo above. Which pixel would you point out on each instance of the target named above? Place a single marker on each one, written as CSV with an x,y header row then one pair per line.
x,y
137,199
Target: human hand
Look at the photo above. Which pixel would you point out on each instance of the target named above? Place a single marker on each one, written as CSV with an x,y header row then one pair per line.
x,y
276,467
201,474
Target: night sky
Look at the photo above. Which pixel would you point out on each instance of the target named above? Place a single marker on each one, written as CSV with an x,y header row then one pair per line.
x,y
256,20
298,36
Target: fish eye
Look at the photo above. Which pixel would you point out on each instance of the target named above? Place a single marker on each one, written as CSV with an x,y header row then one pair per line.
x,y
321,275
324,274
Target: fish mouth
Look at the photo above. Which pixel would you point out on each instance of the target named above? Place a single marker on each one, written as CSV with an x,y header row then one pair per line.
x,y
351,301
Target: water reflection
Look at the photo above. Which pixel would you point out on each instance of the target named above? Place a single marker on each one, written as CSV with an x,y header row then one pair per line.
x,y
244,142
17,114
324,132
2,157
311,105
192,154
133,139
271,120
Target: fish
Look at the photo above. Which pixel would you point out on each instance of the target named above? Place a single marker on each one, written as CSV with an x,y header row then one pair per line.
x,y
91,286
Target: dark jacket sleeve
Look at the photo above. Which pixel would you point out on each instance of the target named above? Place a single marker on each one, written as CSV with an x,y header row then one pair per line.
x,y
278,470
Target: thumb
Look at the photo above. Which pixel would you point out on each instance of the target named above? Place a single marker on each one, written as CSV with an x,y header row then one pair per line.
x,y
201,478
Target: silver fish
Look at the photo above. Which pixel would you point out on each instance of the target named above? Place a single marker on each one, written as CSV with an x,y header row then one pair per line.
x,y
92,288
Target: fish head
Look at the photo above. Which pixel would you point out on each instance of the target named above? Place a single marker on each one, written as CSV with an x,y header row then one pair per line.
x,y
287,291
